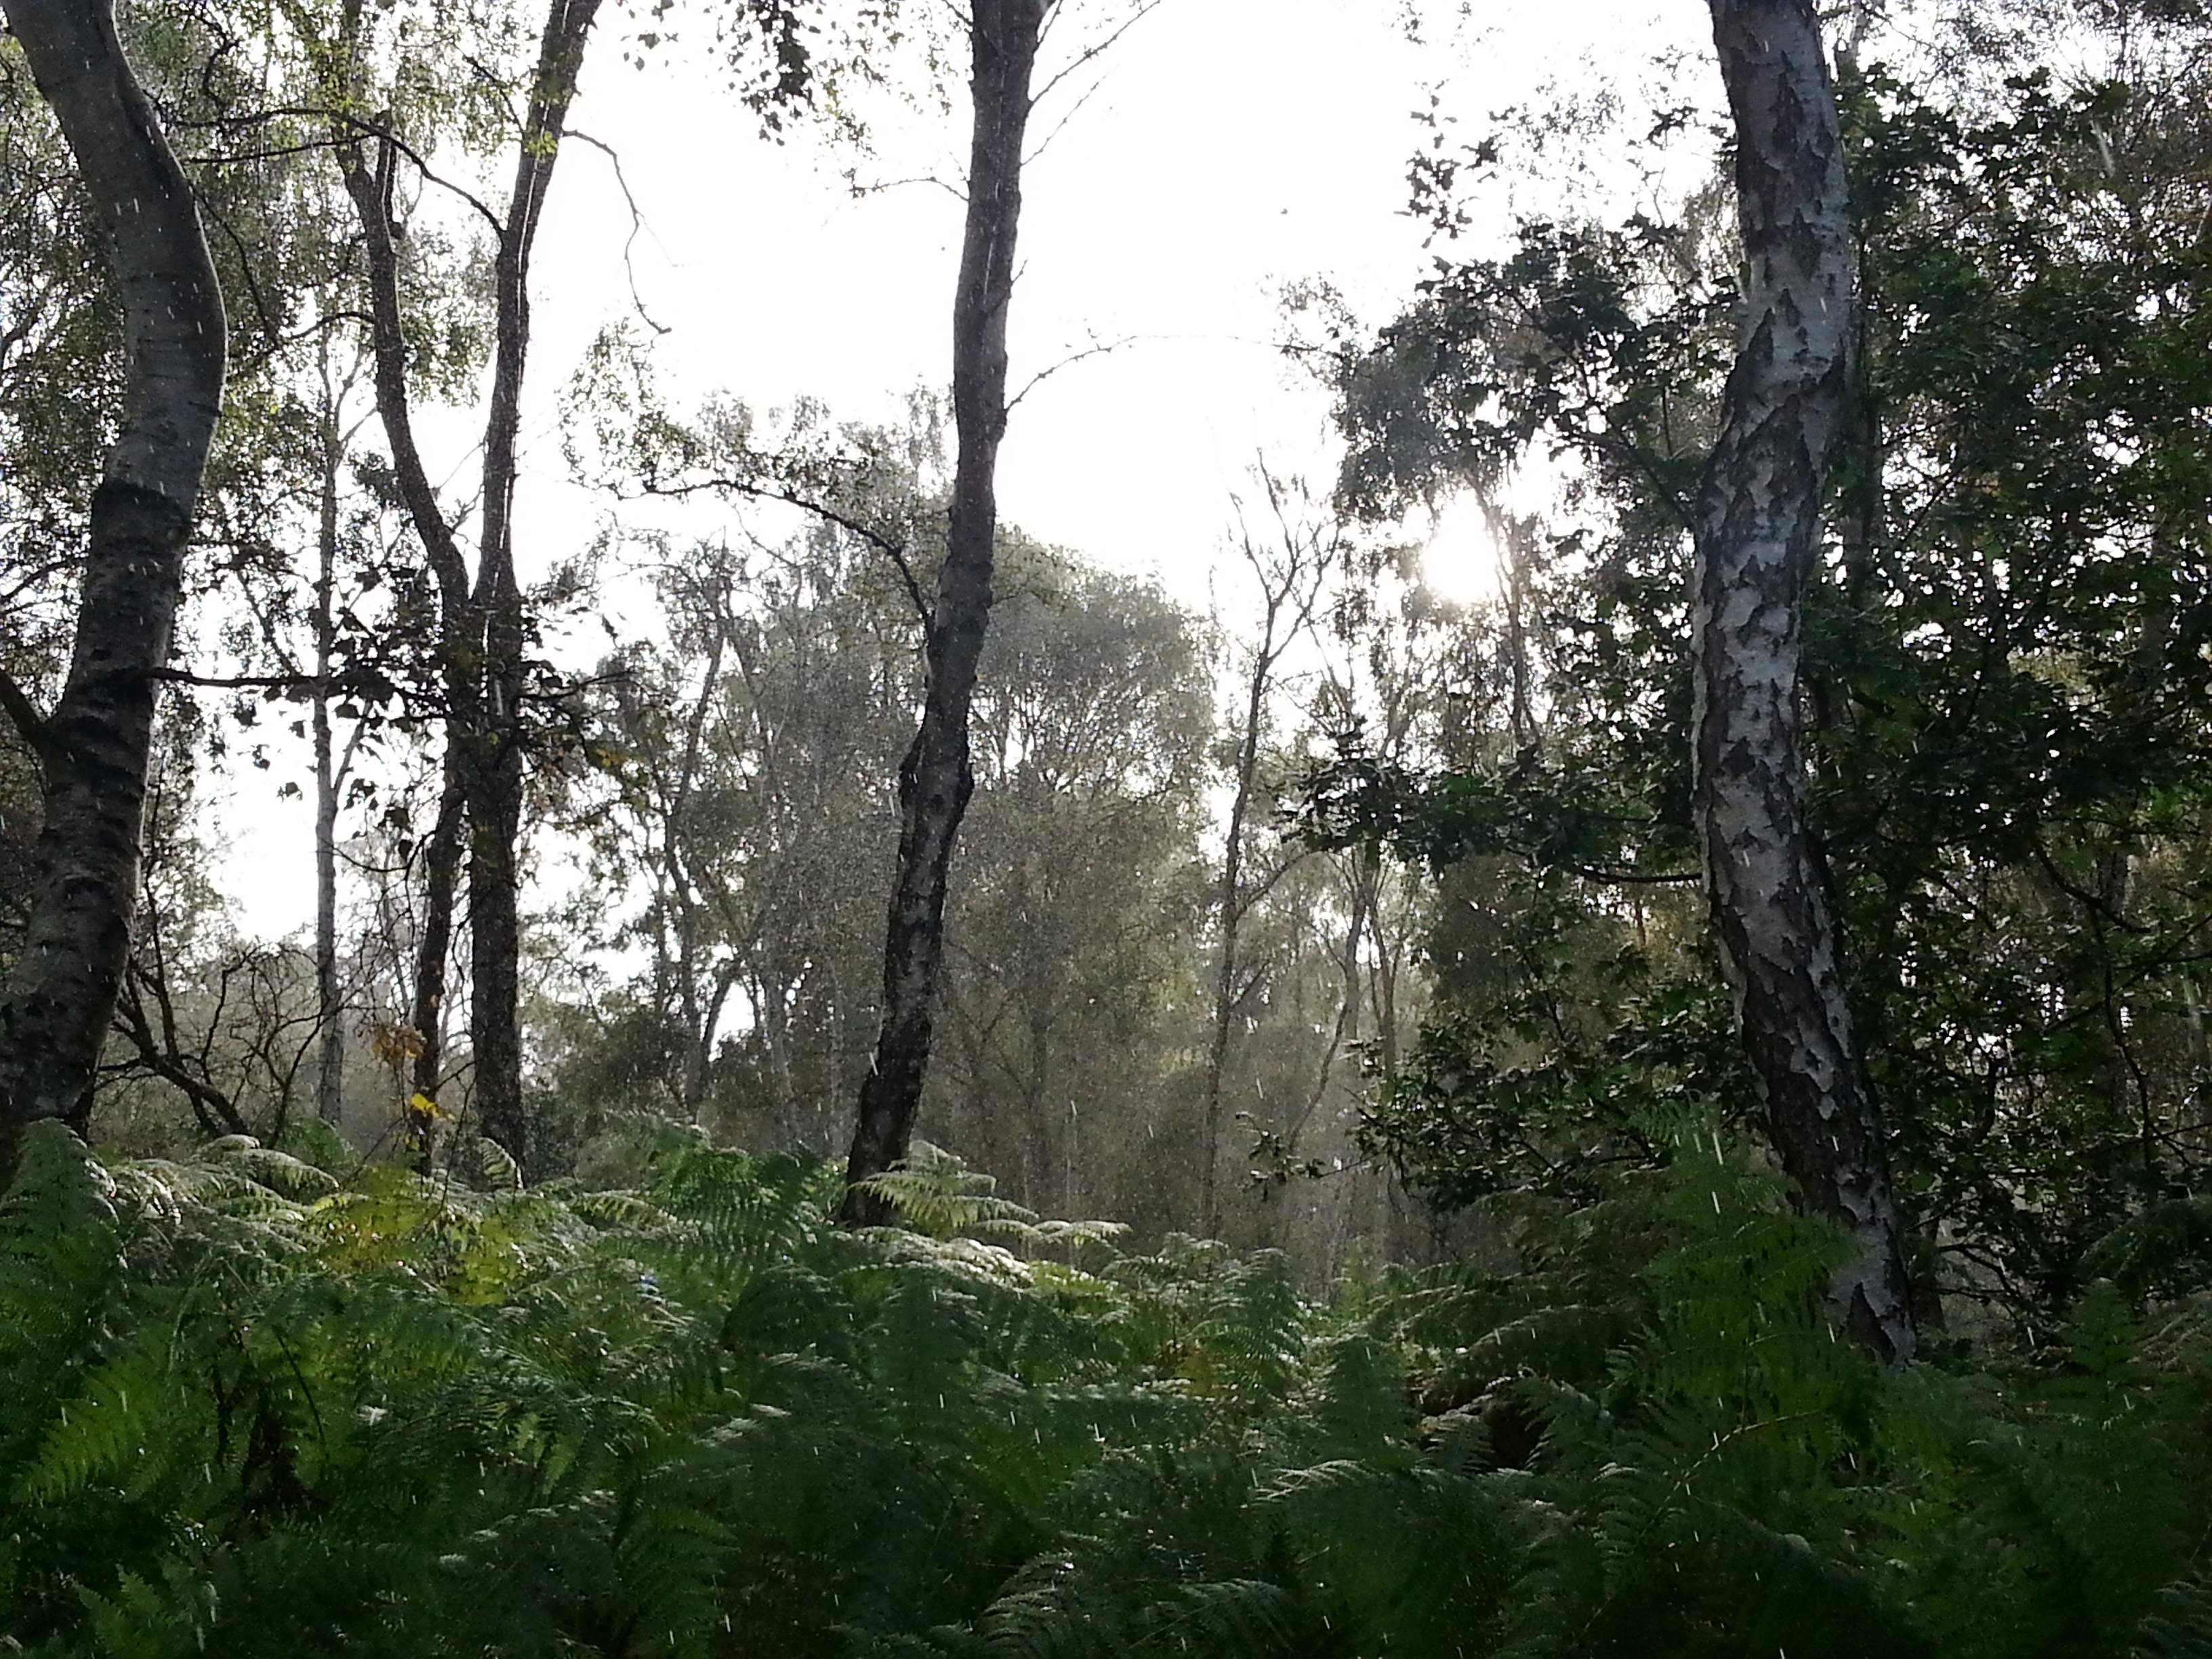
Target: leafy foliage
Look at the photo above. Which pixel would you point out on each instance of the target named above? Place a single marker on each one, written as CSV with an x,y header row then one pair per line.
x,y
2006,694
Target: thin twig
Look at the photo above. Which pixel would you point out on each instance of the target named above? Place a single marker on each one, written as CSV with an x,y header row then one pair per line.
x,y
636,225
1096,348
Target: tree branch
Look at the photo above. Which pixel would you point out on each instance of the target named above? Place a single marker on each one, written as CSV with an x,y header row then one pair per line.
x,y
30,725
891,549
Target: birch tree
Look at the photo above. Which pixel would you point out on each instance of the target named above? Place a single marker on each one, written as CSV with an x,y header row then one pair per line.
x,y
483,628
936,779
92,746
1757,530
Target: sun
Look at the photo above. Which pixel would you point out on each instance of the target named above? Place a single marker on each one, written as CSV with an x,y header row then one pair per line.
x,y
1461,562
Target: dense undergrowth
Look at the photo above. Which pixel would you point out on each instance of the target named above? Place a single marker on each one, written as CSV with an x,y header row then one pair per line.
x,y
247,1409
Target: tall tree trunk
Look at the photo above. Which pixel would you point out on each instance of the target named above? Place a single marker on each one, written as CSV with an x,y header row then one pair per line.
x,y
483,632
1758,522
1230,906
935,780
433,944
698,1017
1289,587
492,753
94,746
329,1006
369,180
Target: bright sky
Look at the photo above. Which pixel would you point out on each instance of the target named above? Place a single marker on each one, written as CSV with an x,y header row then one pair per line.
x,y
1232,147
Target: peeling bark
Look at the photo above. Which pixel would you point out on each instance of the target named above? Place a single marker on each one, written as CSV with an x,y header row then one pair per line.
x,y
61,993
935,780
1758,524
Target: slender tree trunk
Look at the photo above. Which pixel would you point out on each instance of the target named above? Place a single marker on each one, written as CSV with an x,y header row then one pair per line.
x,y
485,633
93,747
1362,891
330,1005
330,1002
1511,536
493,750
1230,905
699,1020
1289,589
1758,524
1036,1071
370,185
935,780
433,944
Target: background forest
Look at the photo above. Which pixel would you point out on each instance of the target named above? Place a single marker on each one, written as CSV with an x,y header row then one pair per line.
x,y
1574,1136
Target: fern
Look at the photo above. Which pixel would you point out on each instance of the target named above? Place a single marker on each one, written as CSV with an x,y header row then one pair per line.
x,y
2180,1626
257,1412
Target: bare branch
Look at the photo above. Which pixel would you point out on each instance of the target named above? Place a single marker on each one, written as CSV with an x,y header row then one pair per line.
x,y
1143,10
853,184
636,225
1095,348
894,550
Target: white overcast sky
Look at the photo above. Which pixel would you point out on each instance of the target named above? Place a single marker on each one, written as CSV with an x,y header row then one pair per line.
x,y
1231,147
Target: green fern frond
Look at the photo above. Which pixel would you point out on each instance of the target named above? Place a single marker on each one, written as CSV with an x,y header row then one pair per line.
x,y
2180,1626
1250,1339
61,1255
1243,1618
139,1619
936,1192
124,1423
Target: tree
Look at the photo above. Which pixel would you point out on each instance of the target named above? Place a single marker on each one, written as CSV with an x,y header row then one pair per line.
x,y
936,779
1756,528
93,745
1070,969
484,630
332,762
749,805
2004,710
1291,568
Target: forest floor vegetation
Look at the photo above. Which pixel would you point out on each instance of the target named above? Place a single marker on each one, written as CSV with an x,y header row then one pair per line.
x,y
258,1407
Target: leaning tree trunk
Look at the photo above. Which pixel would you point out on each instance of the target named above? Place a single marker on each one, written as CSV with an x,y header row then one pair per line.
x,y
94,746
935,780
1758,522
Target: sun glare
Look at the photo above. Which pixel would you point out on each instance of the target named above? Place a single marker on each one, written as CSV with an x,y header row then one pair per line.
x,y
1461,564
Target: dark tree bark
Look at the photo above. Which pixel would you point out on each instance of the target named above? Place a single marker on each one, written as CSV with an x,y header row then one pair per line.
x,y
433,944
484,631
370,184
1758,526
492,754
1230,901
94,746
935,780
330,770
